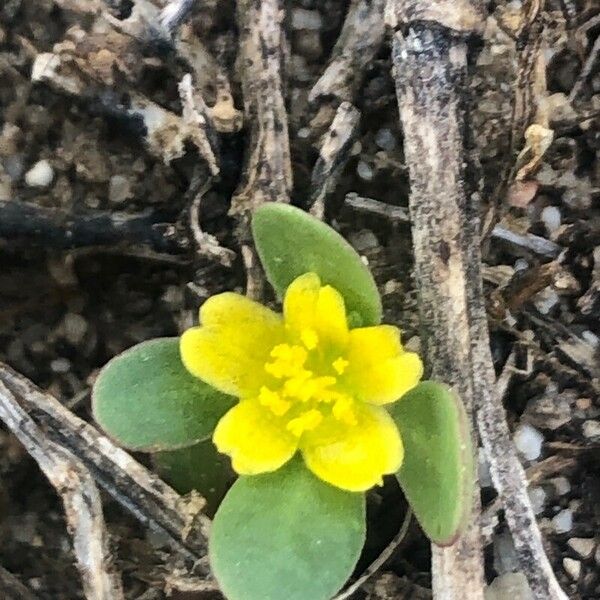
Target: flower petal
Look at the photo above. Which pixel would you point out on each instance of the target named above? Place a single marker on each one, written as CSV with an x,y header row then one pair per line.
x,y
256,440
354,457
231,347
311,308
379,371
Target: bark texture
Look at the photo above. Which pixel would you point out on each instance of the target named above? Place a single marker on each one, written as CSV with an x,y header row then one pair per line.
x,y
430,61
430,70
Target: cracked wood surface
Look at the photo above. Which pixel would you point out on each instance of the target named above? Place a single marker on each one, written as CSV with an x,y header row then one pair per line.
x,y
430,64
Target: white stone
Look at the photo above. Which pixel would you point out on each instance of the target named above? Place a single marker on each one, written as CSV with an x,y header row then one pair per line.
x,y
528,441
119,189
509,585
537,495
572,567
583,547
306,19
60,365
40,175
562,485
591,429
563,521
75,328
546,300
551,218
385,139
364,170
483,469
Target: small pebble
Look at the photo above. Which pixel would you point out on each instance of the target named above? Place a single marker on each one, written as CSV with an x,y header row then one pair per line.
x,y
583,547
306,19
528,441
563,521
551,218
40,175
363,240
591,429
75,328
546,300
572,567
385,139
119,189
364,170
60,365
537,495
562,485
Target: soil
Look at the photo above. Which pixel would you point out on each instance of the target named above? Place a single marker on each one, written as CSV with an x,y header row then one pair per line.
x,y
65,311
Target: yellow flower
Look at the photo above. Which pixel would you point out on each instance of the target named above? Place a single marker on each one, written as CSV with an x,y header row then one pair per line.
x,y
305,382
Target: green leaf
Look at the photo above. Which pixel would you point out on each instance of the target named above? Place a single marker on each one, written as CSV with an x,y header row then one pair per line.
x,y
286,535
437,474
146,400
290,242
200,467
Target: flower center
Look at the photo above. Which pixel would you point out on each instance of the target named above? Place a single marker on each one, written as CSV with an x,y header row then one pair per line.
x,y
305,390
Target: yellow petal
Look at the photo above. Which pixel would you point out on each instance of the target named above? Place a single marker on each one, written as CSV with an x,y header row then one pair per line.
x,y
256,441
232,345
354,457
379,371
314,312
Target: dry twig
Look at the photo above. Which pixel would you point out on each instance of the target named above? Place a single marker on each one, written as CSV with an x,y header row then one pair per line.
x,y
430,62
333,155
143,494
80,497
360,39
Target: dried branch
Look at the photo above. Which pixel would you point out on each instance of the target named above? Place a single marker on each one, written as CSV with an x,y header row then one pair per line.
x,y
175,13
359,41
56,228
207,245
268,171
333,155
195,114
143,494
164,132
586,71
80,497
430,64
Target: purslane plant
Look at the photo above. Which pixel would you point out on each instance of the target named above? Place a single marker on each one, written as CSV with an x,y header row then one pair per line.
x,y
313,406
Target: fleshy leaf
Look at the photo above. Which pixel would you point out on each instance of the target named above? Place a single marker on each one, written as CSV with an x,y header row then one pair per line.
x,y
146,400
437,472
287,535
199,467
291,242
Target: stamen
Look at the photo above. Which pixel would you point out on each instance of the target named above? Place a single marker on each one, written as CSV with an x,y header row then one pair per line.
x,y
339,365
343,410
307,421
273,401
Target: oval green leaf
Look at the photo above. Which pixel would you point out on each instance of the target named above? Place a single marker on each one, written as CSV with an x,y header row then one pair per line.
x,y
437,475
146,400
290,242
286,535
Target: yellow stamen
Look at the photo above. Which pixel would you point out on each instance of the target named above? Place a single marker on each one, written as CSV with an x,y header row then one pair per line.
x,y
307,421
339,365
273,401
343,410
